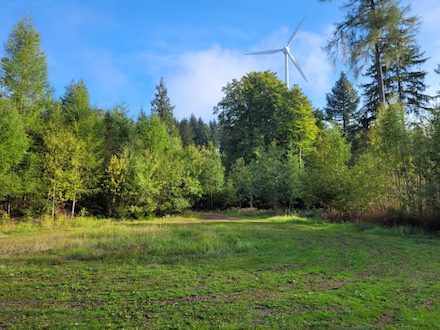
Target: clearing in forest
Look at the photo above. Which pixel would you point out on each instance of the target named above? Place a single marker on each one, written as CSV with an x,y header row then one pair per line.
x,y
275,272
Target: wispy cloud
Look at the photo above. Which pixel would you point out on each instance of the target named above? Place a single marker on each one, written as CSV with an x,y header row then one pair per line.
x,y
197,85
198,76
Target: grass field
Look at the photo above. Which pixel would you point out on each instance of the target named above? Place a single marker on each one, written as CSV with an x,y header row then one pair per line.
x,y
280,272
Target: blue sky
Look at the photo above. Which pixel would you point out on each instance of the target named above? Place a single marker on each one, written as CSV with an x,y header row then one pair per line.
x,y
122,48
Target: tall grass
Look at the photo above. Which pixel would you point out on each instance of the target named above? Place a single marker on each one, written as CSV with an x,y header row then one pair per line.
x,y
89,238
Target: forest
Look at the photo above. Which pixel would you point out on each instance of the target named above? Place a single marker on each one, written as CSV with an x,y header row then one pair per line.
x,y
373,153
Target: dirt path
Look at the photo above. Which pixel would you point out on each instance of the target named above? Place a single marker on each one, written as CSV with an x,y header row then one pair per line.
x,y
215,216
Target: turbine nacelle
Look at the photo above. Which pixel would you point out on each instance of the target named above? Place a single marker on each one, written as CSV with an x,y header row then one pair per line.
x,y
287,55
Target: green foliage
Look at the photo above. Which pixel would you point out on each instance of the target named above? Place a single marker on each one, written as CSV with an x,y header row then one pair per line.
x,y
207,168
23,70
195,131
299,124
268,175
161,106
118,131
342,104
431,170
115,181
270,149
270,180
381,34
242,177
23,80
404,79
325,181
390,142
159,176
259,110
186,132
13,147
65,160
86,127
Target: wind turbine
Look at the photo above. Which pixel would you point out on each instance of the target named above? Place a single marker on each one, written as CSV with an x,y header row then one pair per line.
x,y
287,55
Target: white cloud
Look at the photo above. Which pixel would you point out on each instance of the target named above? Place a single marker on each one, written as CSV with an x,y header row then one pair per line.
x,y
199,76
315,64
196,88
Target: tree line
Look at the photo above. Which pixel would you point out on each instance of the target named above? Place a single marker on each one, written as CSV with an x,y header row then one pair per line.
x,y
65,156
376,159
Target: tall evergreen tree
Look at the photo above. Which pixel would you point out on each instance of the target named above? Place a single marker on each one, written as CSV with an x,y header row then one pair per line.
x,y
23,70
214,133
342,103
202,133
186,132
404,80
23,80
362,36
161,106
118,130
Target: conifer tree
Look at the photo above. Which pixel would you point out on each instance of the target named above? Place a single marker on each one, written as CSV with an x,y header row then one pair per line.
x,y
186,132
360,36
161,106
404,80
342,103
214,133
118,130
23,80
23,70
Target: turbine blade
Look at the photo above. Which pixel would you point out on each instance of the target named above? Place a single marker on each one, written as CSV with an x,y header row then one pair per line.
x,y
297,66
296,31
272,51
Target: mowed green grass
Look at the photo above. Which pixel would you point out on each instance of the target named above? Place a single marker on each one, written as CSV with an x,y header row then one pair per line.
x,y
281,272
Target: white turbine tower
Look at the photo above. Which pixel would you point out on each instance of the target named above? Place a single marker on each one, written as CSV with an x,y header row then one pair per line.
x,y
287,55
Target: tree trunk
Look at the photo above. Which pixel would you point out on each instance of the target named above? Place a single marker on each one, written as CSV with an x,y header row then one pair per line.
x,y
344,122
399,82
378,65
53,206
73,207
379,76
9,206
